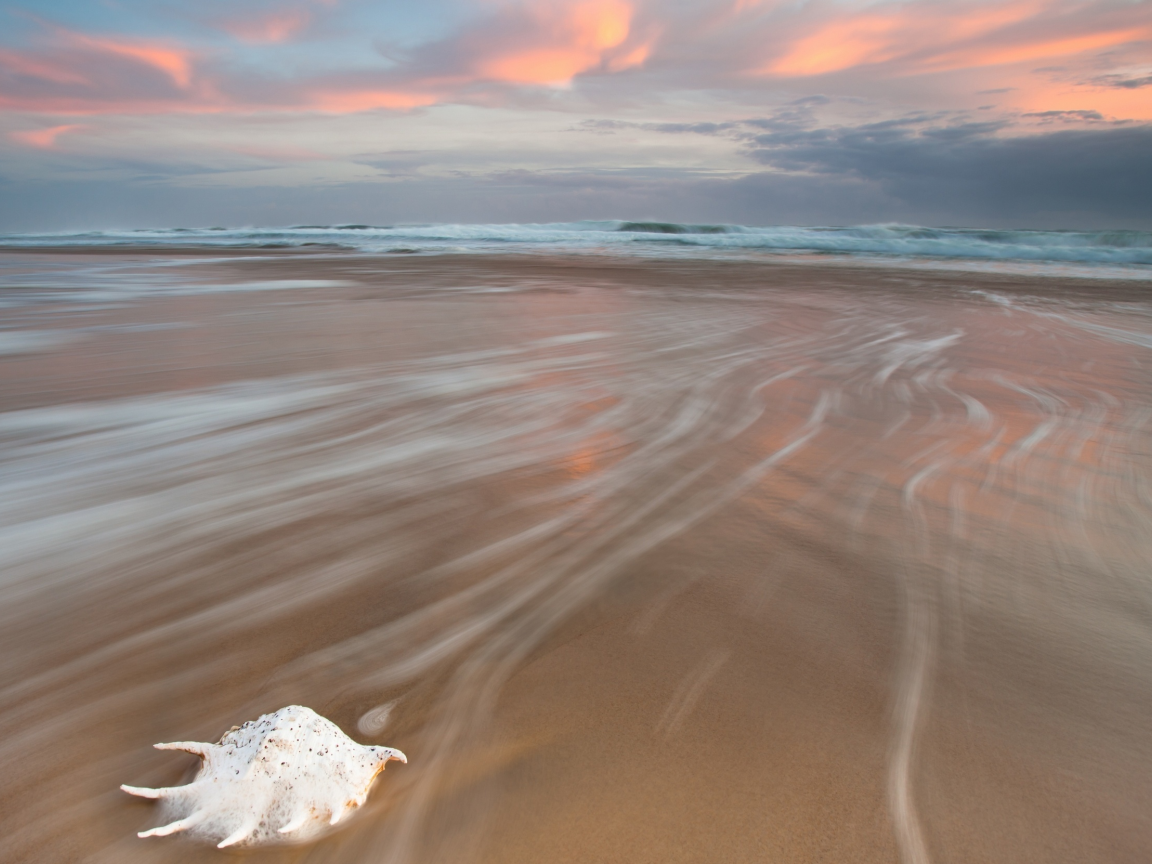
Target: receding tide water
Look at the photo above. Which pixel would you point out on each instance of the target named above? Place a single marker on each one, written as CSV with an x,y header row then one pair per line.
x,y
638,558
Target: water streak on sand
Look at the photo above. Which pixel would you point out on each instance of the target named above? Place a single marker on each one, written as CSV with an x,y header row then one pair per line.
x,y
877,528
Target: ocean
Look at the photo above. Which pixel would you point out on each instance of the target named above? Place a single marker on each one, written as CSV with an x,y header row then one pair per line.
x,y
1106,254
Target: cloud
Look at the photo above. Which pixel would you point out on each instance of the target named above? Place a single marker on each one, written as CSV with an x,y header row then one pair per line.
x,y
44,139
534,43
1067,116
916,170
698,128
556,42
44,68
940,166
511,51
171,59
1122,81
79,73
969,167
352,101
540,43
921,36
882,129
268,28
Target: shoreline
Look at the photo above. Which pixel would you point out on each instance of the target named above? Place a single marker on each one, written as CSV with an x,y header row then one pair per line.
x,y
993,268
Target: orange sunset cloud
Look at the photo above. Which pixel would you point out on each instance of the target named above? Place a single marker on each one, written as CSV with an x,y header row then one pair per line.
x,y
550,43
923,37
575,38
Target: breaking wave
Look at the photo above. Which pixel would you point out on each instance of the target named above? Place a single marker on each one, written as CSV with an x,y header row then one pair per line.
x,y
1125,249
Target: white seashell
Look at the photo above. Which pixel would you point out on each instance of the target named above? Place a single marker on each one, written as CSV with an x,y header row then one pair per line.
x,y
285,777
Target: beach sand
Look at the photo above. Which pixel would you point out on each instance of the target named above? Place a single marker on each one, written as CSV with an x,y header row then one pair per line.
x,y
637,560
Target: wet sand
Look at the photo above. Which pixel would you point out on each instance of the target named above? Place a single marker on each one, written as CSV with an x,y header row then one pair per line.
x,y
638,561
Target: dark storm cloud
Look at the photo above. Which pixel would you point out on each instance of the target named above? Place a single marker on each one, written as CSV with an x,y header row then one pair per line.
x,y
940,166
1103,171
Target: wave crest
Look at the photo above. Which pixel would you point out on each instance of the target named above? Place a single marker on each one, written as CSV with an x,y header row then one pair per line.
x,y
889,242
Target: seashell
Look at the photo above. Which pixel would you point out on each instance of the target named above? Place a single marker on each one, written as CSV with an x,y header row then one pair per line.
x,y
285,777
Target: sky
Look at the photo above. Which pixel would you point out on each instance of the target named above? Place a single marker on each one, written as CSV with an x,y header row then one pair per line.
x,y
988,113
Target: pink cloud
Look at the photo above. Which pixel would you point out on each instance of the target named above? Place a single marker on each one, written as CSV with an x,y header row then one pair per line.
x,y
86,68
44,139
36,67
1028,92
79,73
355,101
170,59
531,42
534,43
273,28
1040,49
905,40
919,37
564,40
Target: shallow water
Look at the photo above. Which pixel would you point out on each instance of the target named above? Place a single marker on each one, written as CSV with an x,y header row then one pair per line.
x,y
657,561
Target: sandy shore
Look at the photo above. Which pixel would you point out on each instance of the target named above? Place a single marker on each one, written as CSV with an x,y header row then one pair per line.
x,y
638,561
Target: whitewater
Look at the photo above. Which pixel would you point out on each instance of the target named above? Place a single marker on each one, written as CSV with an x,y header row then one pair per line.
x,y
1125,254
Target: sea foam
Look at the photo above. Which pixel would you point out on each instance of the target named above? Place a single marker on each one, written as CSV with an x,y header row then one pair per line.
x,y
1109,254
